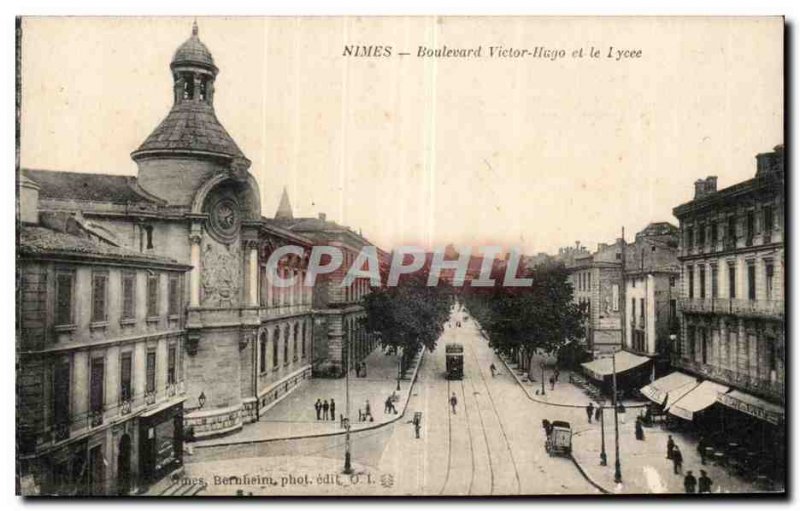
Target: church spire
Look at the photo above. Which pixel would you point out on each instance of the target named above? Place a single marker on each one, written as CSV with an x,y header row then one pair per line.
x,y
284,208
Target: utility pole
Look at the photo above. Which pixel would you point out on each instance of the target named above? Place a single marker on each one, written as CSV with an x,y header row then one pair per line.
x,y
603,458
617,468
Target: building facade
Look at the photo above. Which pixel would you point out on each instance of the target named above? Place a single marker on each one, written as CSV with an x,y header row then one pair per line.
x,y
246,342
596,280
732,298
100,345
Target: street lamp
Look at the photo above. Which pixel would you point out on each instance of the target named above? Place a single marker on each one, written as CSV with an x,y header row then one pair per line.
x,y
542,366
603,458
348,469
617,467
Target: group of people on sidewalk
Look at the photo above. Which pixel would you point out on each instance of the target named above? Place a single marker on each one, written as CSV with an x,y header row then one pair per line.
x,y
691,484
324,409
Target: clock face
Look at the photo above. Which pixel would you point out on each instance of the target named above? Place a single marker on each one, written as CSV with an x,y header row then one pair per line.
x,y
225,219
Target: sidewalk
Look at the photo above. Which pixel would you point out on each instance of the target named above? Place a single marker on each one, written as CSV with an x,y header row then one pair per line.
x,y
295,415
644,466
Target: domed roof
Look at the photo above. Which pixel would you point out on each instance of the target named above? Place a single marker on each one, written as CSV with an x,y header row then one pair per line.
x,y
193,51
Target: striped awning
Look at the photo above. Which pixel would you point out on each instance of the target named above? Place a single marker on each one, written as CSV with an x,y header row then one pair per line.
x,y
697,399
624,361
669,388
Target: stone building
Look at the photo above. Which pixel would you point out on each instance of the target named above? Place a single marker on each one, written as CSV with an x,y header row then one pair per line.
x,y
732,304
100,343
596,279
245,343
340,334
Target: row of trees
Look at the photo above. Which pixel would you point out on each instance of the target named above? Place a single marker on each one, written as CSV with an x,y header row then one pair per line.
x,y
521,321
409,316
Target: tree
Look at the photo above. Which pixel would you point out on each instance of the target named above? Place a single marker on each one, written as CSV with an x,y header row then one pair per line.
x,y
521,320
410,315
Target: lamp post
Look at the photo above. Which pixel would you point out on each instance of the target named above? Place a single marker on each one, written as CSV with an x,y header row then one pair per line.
x,y
617,467
542,366
399,367
603,458
348,469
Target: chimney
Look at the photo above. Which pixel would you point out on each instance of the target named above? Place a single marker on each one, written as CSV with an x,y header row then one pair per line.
x,y
767,163
711,184
602,246
28,201
699,188
322,217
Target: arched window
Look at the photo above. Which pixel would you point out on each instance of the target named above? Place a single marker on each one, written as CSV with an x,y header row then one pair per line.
x,y
262,361
188,86
303,339
275,338
294,349
286,344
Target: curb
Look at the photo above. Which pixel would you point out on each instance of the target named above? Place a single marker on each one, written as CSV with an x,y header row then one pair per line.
x,y
413,381
589,479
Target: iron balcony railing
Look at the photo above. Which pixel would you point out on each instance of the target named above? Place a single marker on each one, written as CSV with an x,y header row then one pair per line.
x,y
773,309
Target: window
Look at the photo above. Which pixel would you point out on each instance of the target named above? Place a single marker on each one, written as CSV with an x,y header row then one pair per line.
x,y
150,371
61,392
701,235
714,229
691,281
275,339
769,271
769,223
731,235
732,280
64,282
128,296
172,359
714,282
99,296
286,344
152,295
615,297
702,281
262,353
689,237
673,309
96,384
704,345
751,227
772,359
125,376
690,341
294,346
174,295
633,310
641,311
751,281
149,233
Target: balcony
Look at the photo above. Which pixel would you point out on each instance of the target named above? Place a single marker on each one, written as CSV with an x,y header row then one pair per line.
x,y
768,389
769,309
96,418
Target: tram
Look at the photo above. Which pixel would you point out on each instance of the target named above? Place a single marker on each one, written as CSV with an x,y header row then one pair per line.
x,y
454,356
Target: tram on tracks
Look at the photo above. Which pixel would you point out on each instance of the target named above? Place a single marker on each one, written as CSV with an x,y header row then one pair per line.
x,y
454,356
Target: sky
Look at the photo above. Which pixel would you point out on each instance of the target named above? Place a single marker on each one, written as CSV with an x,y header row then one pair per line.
x,y
527,152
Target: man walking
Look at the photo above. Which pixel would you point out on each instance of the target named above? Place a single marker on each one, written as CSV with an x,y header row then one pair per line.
x,y
318,407
325,407
333,410
704,483
552,383
556,373
367,411
453,402
590,411
677,460
493,369
689,482
670,447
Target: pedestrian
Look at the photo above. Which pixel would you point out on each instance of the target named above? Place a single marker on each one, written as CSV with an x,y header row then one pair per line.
x,y
621,412
552,383
639,429
325,407
701,448
704,483
598,413
333,410
670,447
318,407
547,426
493,369
387,405
589,411
556,373
367,412
689,482
453,402
677,460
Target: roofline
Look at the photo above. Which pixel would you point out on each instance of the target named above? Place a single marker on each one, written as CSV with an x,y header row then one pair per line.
x,y
107,259
741,188
143,154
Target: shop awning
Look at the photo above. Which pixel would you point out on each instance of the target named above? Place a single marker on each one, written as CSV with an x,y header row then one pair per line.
x,y
755,406
602,367
697,399
669,388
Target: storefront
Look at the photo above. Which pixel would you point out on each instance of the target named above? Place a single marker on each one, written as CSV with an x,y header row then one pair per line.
x,y
632,371
160,442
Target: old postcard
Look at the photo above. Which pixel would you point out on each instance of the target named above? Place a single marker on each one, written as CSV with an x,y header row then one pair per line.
x,y
393,256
